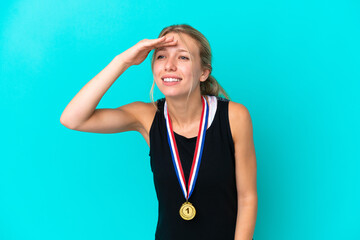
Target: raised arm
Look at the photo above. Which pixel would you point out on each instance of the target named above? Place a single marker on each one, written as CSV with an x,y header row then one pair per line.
x,y
81,113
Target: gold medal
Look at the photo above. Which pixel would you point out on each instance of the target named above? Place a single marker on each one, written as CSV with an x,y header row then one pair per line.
x,y
187,211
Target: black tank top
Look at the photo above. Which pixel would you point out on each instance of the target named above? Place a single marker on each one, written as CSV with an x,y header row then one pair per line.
x,y
214,196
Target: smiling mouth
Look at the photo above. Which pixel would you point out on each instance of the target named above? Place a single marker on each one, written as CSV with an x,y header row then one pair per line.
x,y
171,79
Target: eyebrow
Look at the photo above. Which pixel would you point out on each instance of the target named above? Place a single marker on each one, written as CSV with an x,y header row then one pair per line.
x,y
178,50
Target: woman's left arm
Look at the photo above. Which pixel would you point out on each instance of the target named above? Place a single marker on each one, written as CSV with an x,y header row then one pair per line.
x,y
245,168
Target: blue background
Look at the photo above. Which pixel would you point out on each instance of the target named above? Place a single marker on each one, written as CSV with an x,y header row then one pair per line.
x,y
293,64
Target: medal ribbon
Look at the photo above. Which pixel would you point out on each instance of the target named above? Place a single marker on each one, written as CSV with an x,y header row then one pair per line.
x,y
198,150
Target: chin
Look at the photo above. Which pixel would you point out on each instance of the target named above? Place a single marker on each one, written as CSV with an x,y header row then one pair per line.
x,y
174,94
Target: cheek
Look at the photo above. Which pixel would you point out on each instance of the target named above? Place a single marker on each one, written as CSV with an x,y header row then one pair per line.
x,y
156,69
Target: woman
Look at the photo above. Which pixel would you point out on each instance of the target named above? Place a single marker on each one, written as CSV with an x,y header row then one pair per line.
x,y
201,145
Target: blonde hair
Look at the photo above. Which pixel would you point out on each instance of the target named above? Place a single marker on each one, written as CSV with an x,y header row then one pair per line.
x,y
210,86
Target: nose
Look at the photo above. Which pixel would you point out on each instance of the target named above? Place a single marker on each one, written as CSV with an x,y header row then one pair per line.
x,y
170,64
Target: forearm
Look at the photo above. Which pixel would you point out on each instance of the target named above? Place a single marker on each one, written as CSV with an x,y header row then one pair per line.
x,y
83,105
246,219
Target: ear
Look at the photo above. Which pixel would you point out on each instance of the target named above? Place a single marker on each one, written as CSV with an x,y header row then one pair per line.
x,y
205,74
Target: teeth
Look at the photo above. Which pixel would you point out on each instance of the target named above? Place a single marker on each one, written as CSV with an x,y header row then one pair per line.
x,y
171,79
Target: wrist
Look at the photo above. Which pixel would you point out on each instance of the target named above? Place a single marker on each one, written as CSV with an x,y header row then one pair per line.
x,y
119,59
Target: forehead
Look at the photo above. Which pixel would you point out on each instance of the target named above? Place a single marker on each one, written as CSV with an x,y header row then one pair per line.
x,y
184,41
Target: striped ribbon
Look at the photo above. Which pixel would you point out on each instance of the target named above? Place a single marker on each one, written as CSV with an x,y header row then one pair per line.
x,y
198,150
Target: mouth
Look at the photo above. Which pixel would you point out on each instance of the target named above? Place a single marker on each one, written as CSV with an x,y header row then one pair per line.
x,y
171,79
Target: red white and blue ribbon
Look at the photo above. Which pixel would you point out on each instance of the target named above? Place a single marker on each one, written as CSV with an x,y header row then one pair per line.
x,y
198,150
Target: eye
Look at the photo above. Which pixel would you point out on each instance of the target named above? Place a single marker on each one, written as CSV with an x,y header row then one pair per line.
x,y
183,57
159,56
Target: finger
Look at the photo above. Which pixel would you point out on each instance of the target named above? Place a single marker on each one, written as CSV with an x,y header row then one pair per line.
x,y
162,44
154,42
161,38
150,43
168,41
157,40
164,40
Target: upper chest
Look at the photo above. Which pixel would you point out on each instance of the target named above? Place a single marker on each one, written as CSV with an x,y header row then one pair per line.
x,y
192,130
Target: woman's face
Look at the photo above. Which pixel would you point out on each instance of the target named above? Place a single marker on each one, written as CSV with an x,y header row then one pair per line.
x,y
174,62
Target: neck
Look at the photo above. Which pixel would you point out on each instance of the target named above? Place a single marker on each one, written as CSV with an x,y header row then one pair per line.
x,y
184,113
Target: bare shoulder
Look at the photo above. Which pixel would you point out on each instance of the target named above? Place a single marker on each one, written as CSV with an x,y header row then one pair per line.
x,y
240,120
238,110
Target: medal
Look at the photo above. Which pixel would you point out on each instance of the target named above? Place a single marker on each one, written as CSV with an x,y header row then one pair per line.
x,y
187,210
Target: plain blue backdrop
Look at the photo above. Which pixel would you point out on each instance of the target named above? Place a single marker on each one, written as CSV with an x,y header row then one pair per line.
x,y
293,64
